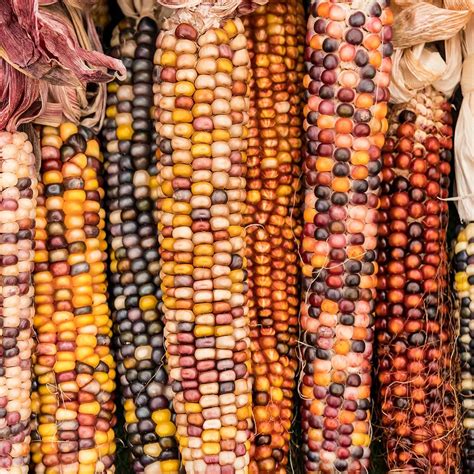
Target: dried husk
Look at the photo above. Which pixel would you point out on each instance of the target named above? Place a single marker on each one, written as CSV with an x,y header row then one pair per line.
x,y
425,23
138,8
422,65
203,15
464,138
417,63
39,41
141,8
21,98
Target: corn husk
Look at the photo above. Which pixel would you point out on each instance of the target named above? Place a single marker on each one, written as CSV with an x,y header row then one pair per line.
x,y
38,40
422,65
141,8
416,62
464,138
424,23
203,15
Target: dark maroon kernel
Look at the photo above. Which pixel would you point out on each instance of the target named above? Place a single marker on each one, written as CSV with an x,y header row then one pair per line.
x,y
330,61
357,19
345,110
376,10
361,58
362,115
345,94
354,36
330,45
329,77
342,154
320,26
326,92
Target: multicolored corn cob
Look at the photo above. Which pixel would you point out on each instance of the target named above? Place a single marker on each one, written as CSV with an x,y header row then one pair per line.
x,y
131,194
275,34
414,320
18,192
74,368
348,56
202,105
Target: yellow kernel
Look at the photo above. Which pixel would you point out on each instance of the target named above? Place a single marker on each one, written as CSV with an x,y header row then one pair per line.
x,y
201,150
202,137
166,429
182,116
224,65
210,448
184,88
66,130
160,416
92,408
148,302
168,58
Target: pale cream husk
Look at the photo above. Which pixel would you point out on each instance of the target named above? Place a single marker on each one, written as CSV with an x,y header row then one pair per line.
x,y
464,137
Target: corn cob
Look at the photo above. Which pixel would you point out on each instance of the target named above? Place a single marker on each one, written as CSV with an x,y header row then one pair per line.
x,y
130,163
202,115
275,35
415,341
349,64
463,252
18,186
74,367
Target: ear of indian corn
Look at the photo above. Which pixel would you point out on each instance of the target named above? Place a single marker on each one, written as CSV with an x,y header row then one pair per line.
x,y
275,35
130,170
348,54
414,333
464,287
202,82
74,367
18,188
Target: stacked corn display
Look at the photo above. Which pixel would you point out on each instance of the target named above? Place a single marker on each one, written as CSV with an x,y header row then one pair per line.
x,y
275,35
348,55
74,367
464,287
131,193
18,188
415,340
202,105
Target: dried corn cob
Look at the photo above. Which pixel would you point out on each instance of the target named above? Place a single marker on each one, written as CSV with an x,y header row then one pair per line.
x,y
415,341
18,187
463,260
130,163
275,35
74,367
202,116
349,64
